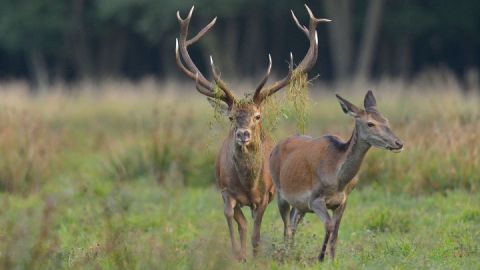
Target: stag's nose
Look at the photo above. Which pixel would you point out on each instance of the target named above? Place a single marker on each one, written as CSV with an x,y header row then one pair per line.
x,y
399,143
243,135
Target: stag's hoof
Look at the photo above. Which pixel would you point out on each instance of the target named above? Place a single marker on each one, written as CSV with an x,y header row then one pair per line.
x,y
241,259
321,257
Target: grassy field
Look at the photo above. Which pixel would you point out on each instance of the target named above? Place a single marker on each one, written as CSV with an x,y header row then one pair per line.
x,y
121,177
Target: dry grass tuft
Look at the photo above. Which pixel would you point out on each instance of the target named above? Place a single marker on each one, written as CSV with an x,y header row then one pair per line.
x,y
27,149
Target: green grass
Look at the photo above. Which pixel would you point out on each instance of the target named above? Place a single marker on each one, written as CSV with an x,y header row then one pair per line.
x,y
138,226
123,179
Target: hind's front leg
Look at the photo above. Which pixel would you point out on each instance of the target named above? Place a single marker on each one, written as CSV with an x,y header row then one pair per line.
x,y
337,217
320,208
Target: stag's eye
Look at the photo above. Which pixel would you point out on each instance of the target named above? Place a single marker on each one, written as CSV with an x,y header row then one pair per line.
x,y
370,124
231,118
257,117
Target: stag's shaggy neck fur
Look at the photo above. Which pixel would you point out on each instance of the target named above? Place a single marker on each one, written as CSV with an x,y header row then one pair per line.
x,y
249,160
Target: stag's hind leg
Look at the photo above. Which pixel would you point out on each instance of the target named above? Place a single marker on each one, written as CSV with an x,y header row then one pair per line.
x,y
229,204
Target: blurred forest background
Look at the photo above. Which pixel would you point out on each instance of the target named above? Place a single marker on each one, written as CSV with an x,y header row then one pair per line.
x,y
48,41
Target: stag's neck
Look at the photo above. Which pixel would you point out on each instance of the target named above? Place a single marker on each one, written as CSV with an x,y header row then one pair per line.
x,y
248,163
354,155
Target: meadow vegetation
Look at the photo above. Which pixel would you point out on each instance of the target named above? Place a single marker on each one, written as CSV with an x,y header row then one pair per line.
x,y
120,176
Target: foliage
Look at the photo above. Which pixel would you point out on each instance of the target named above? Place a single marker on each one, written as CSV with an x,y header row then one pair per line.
x,y
140,225
294,104
435,31
25,25
297,94
127,183
27,152
164,151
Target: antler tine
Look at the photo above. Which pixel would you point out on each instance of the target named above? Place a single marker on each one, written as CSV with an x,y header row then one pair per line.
x,y
189,16
311,57
256,96
188,66
302,27
185,70
180,64
203,90
307,62
279,84
202,32
183,44
312,17
229,94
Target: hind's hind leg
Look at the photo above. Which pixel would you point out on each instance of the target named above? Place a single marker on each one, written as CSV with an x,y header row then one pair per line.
x,y
296,217
284,209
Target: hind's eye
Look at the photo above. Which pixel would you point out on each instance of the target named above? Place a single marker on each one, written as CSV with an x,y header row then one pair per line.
x,y
257,117
370,124
231,118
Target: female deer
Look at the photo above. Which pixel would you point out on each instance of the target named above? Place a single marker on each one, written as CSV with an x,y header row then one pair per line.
x,y
317,174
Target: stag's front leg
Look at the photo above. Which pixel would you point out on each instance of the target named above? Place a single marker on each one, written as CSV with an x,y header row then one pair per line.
x,y
337,218
229,204
242,230
257,223
320,208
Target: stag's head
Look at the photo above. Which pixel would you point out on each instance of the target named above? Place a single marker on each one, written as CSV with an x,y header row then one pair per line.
x,y
245,115
246,121
372,126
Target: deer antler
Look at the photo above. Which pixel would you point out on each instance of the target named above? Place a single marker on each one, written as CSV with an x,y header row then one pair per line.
x,y
305,65
190,69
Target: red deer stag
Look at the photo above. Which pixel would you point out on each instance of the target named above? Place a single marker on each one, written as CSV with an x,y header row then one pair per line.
x,y
317,174
241,168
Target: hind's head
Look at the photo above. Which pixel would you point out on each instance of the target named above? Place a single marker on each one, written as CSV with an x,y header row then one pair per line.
x,y
372,126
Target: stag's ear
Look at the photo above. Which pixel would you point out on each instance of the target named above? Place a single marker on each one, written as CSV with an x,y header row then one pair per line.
x,y
348,107
219,106
369,102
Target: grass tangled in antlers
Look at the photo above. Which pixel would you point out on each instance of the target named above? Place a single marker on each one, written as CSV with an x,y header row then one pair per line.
x,y
295,103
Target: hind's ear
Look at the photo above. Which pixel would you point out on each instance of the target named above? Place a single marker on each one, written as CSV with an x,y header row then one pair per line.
x,y
370,103
219,106
348,107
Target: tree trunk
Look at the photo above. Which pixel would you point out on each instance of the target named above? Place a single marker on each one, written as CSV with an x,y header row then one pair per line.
x,y
369,38
403,57
112,53
81,51
253,44
168,67
224,50
230,48
38,69
341,38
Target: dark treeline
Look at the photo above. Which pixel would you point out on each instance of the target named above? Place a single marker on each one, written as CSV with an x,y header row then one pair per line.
x,y
56,40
